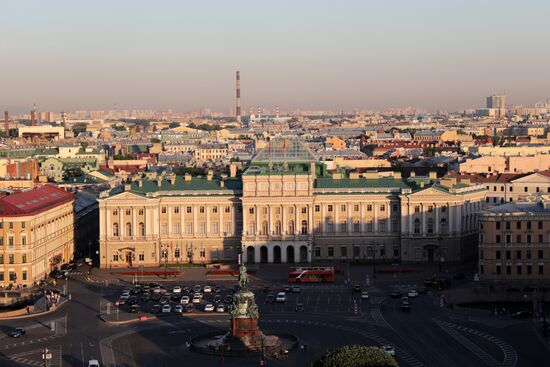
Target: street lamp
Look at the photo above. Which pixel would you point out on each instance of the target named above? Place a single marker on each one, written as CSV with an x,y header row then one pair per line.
x,y
165,256
46,356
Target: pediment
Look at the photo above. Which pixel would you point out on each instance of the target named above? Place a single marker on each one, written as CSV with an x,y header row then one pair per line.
x,y
533,178
430,192
126,196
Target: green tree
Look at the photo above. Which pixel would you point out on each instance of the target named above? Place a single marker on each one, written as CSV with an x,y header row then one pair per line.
x,y
155,140
173,125
356,356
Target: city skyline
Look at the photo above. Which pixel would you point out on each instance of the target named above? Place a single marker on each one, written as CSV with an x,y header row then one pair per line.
x,y
342,56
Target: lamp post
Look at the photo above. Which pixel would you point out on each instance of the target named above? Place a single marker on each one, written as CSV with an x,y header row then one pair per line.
x,y
46,356
165,256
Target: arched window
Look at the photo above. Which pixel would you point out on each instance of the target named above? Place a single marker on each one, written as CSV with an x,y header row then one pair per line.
x,y
304,227
417,225
128,229
291,230
430,225
252,228
277,228
115,229
265,228
142,230
443,226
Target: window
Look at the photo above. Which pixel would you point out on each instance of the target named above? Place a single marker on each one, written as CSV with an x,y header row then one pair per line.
x,y
140,211
24,258
498,268
251,210
329,208
540,239
115,229
317,208
11,259
528,225
277,228
507,225
369,226
201,209
164,228
416,226
10,241
417,209
11,225
525,189
141,228
529,269
24,240
22,224
1,276
189,228
356,208
356,226
481,269
518,225
497,255
176,228
443,228
115,212
395,251
444,209
344,226
264,210
202,252
304,227
291,229
356,251
508,269
498,225
382,226
497,239
330,251
304,210
202,227
344,251
518,269
541,269
318,227
177,253
1,258
330,226
430,208
430,226
508,255
418,253
228,209
540,254
395,225
518,254
189,210
141,256
395,208
528,238
382,208
539,225
227,228
265,228
317,251
528,254
115,257
13,277
291,210
369,208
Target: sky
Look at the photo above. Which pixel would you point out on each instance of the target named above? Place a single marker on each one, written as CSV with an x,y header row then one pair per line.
x,y
340,54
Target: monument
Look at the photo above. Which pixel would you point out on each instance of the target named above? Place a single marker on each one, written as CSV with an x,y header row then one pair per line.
x,y
244,336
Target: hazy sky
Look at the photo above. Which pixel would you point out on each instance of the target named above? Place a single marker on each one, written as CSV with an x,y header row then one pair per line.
x,y
338,54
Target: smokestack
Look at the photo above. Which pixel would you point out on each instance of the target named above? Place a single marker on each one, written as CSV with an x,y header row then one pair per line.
x,y
277,111
249,110
238,97
33,115
259,112
7,123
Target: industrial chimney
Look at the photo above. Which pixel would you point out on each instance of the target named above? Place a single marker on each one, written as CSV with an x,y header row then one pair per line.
x,y
7,123
33,115
238,97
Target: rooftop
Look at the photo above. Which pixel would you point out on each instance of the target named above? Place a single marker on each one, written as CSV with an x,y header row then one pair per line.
x,y
287,149
34,201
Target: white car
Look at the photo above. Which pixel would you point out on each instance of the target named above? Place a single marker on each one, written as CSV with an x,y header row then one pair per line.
x,y
176,289
93,363
184,300
207,289
365,295
178,309
196,299
220,308
413,293
166,309
389,349
209,307
281,297
296,289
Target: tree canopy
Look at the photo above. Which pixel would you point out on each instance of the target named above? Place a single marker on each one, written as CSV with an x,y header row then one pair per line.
x,y
356,356
205,127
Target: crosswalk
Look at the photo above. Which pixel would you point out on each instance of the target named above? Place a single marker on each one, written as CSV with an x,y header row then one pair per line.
x,y
35,357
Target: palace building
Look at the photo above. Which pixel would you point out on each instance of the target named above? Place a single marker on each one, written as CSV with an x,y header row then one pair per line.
x,y
285,208
36,234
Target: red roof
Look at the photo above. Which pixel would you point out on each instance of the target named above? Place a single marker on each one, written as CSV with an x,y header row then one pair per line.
x,y
34,201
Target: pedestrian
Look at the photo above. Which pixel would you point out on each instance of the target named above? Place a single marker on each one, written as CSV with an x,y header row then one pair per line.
x,y
28,310
285,352
302,348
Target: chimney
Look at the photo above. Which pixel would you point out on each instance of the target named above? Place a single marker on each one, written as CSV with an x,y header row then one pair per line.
x,y
127,187
7,123
396,175
238,109
140,183
33,115
232,170
222,183
432,175
210,175
173,180
159,182
187,177
312,169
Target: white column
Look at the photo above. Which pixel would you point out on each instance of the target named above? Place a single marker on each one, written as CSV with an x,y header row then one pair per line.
x,y
436,224
244,259
258,225
284,224
283,253
270,213
423,208
451,223
404,222
337,217
375,224
195,220
323,219
208,208
363,220
310,219
297,225
221,225
169,211
309,252
270,253
183,210
350,220
257,255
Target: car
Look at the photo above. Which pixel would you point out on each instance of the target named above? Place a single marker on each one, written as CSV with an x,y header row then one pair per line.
x,y
175,297
217,298
164,300
364,295
209,307
270,298
166,309
413,293
217,289
356,288
228,299
267,289
138,289
405,305
133,300
281,297
155,297
389,349
122,300
178,309
220,308
286,288
395,294
127,290
93,363
189,308
197,288
17,332
296,289
144,297
299,307
157,290
196,299
184,300
186,289
423,290
207,289
134,308
155,309
522,315
176,289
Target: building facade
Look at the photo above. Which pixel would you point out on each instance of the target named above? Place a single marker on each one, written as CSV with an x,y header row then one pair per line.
x,y
514,242
36,234
289,209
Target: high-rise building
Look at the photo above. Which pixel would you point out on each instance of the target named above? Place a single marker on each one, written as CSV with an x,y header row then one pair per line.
x,y
495,101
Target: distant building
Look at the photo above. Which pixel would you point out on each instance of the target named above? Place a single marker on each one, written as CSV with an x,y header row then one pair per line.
x,y
36,234
46,132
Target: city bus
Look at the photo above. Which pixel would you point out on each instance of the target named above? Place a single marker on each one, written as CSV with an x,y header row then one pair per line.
x,y
307,274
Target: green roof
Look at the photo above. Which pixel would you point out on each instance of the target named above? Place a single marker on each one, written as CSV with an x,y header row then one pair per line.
x,y
196,184
278,168
105,173
384,182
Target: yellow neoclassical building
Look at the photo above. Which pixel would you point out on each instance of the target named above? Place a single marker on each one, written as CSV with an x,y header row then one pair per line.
x,y
288,208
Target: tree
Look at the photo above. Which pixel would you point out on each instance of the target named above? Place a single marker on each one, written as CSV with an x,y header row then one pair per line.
x,y
155,140
173,125
356,356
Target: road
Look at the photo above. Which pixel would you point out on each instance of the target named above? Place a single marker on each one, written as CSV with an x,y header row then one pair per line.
x,y
425,336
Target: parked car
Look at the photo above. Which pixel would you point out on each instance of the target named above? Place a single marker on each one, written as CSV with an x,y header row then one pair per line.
x,y
196,299
189,308
93,363
144,297
166,309
405,305
423,290
389,349
155,309
220,308
395,294
356,288
286,288
184,300
281,297
299,307
134,308
178,309
270,298
207,289
17,332
217,298
197,288
296,289
522,315
176,289
413,293
364,295
228,299
209,307
267,289
217,289
164,300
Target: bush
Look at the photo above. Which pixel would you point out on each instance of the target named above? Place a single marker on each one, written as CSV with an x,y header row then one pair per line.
x,y
356,356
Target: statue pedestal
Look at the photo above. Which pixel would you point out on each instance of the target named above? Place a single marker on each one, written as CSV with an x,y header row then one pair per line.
x,y
247,330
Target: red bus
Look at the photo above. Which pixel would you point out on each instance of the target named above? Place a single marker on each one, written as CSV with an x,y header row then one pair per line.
x,y
309,274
